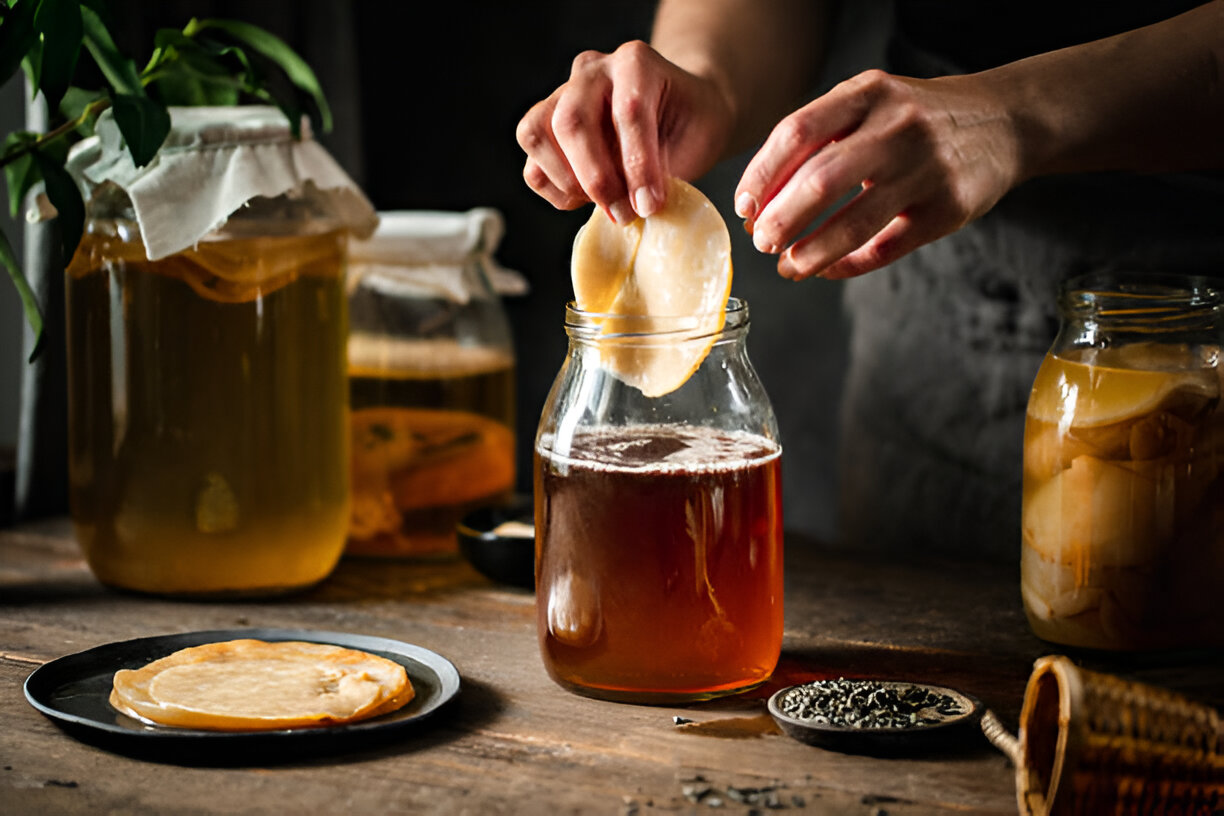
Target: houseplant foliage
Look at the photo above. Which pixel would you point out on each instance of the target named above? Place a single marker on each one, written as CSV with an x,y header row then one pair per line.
x,y
61,44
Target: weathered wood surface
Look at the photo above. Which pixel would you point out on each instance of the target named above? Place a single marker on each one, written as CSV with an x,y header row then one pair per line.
x,y
515,743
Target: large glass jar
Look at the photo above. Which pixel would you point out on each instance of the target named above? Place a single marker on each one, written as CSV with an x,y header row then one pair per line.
x,y
1123,495
431,372
658,520
208,402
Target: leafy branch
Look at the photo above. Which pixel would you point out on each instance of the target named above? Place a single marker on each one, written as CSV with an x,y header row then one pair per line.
x,y
208,62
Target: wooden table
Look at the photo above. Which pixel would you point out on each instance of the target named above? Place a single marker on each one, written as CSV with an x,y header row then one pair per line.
x,y
512,741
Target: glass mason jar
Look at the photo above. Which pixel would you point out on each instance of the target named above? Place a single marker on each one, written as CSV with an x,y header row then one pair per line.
x,y
1123,495
208,402
431,373
658,520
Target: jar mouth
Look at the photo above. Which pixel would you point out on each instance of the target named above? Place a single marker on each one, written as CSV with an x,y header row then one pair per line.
x,y
1141,297
732,319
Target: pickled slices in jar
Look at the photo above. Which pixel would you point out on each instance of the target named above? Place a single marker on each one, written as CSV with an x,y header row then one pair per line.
x,y
1101,513
1122,450
1100,388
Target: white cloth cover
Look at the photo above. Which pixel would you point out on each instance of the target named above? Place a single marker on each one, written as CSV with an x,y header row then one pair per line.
x,y
213,162
423,253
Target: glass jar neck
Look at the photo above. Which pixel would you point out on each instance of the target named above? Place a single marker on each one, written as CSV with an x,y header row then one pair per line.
x,y
1155,306
596,328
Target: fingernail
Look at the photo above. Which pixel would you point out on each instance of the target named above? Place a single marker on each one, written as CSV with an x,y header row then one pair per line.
x,y
622,213
749,226
644,202
761,243
745,206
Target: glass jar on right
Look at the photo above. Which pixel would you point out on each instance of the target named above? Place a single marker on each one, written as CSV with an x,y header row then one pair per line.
x,y
1123,491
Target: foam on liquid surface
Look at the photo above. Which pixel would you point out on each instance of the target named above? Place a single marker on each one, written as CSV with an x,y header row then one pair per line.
x,y
660,449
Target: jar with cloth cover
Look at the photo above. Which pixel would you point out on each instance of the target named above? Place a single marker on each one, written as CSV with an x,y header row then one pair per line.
x,y
431,373
206,322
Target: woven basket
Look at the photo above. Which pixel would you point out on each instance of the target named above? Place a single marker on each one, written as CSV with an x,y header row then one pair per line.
x,y
1095,744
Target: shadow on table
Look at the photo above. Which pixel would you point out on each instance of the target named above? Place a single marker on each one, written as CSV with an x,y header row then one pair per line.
x,y
365,579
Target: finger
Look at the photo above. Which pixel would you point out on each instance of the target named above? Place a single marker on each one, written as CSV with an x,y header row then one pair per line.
x,y
539,181
637,96
582,125
547,167
852,227
901,237
816,186
794,140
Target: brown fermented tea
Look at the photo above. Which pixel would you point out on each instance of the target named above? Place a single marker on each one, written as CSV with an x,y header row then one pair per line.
x,y
207,413
432,439
659,561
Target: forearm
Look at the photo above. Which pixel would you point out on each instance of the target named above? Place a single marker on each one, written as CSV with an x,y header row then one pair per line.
x,y
1147,100
762,54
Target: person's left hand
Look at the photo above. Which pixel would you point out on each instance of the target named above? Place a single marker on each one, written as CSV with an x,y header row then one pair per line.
x,y
922,158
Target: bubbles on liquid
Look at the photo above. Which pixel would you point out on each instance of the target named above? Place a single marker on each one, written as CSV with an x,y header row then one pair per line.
x,y
659,449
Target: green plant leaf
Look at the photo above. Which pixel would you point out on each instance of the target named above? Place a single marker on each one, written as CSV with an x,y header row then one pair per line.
x,y
32,65
184,86
73,106
59,24
279,53
21,173
119,71
17,35
187,71
66,198
143,123
28,302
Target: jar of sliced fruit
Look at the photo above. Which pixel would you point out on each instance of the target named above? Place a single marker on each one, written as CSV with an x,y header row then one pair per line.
x,y
1123,493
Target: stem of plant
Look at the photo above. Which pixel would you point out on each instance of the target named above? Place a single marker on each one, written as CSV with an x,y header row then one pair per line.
x,y
93,109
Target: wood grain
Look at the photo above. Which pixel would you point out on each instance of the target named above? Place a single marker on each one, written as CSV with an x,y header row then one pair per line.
x,y
513,742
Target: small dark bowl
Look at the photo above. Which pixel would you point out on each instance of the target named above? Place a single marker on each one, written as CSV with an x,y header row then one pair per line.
x,y
953,732
506,559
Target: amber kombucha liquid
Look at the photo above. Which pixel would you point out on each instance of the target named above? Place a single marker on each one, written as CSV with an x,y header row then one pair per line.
x,y
659,562
432,438
1123,499
208,426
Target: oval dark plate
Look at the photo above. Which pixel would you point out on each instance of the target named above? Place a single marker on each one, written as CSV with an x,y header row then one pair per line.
x,y
504,559
952,730
74,690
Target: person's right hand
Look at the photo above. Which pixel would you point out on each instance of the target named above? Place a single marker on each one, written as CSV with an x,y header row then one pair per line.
x,y
622,125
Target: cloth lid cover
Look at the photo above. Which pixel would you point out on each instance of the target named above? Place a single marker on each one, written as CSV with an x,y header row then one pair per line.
x,y
214,161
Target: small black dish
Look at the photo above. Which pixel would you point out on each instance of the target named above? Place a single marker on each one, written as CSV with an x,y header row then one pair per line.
x,y
952,731
498,542
74,692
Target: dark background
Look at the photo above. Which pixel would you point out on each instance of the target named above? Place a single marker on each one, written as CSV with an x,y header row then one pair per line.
x,y
426,98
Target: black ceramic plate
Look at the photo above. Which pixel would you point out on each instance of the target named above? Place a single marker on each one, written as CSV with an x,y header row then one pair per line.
x,y
73,691
952,731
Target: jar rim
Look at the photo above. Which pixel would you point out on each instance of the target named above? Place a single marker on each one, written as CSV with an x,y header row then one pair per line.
x,y
1142,302
1194,289
592,325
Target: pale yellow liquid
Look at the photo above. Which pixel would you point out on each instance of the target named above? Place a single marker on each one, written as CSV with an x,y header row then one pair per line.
x,y
208,414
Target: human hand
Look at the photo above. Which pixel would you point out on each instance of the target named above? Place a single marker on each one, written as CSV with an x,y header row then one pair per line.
x,y
922,158
619,128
